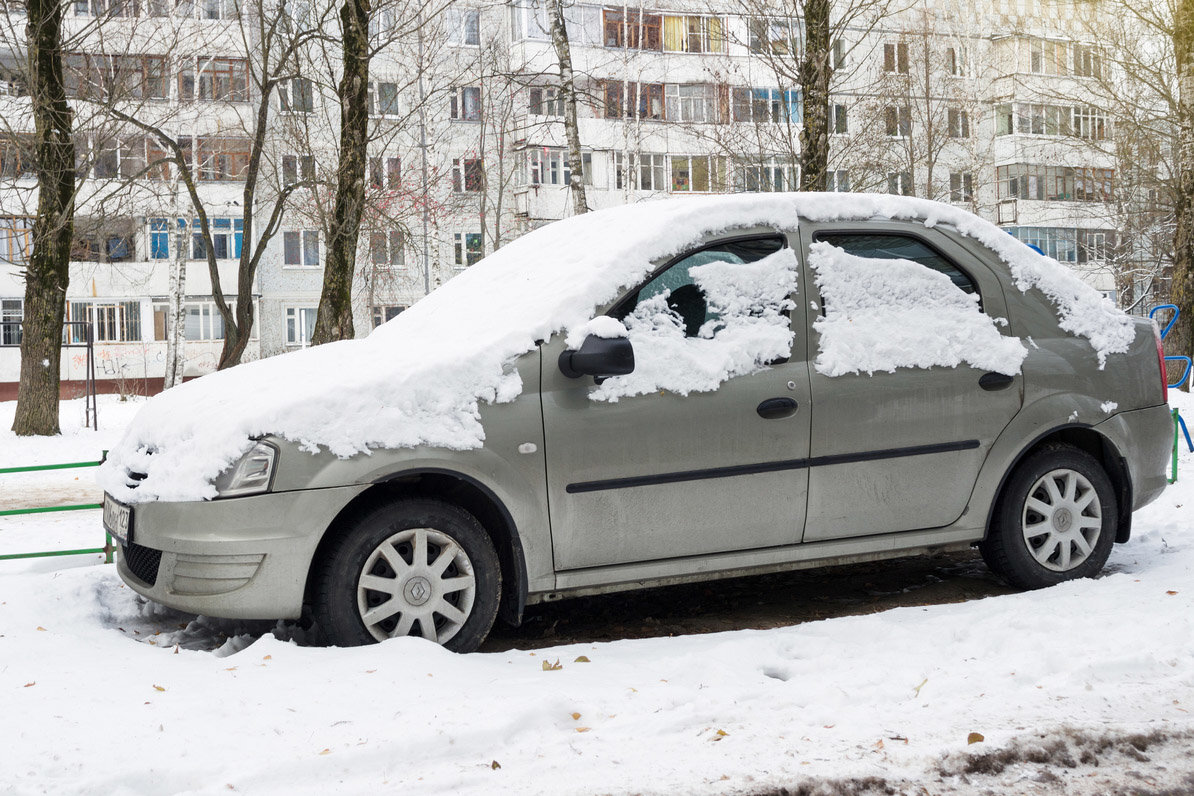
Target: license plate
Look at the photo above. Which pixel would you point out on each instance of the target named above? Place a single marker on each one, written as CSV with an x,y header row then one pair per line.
x,y
118,520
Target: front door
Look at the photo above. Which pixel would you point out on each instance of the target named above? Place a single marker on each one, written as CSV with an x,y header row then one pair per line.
x,y
643,476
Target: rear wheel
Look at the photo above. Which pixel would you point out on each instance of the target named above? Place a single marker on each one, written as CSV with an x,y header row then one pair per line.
x,y
1055,520
417,567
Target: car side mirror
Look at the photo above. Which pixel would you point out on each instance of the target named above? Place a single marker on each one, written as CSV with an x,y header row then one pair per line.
x,y
599,357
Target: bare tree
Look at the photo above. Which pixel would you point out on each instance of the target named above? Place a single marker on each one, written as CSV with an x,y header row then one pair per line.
x,y
559,40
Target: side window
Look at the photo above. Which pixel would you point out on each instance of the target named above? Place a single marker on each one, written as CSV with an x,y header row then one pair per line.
x,y
885,246
682,294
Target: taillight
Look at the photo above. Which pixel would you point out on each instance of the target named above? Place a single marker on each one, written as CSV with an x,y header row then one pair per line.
x,y
1161,362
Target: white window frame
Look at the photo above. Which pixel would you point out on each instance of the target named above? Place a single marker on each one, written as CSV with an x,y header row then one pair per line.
x,y
302,238
300,324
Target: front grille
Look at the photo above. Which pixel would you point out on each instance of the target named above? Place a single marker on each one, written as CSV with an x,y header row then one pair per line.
x,y
142,562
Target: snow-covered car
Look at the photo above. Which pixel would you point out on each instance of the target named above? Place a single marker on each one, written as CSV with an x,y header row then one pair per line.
x,y
664,392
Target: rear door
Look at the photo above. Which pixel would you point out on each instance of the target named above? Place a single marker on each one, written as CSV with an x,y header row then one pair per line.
x,y
666,475
898,451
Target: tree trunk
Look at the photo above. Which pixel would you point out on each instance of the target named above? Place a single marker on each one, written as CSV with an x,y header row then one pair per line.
x,y
48,272
815,72
176,326
576,164
334,318
1183,243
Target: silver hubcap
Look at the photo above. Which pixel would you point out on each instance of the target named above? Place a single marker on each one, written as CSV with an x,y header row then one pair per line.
x,y
1062,520
417,582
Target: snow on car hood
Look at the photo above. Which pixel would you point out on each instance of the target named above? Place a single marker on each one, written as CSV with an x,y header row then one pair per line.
x,y
419,379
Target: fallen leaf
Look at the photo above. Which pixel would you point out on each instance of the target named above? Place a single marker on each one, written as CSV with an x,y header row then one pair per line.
x,y
268,658
922,685
582,729
326,752
548,666
975,737
495,765
581,659
29,684
879,744
575,716
42,629
722,733
159,688
230,669
1171,591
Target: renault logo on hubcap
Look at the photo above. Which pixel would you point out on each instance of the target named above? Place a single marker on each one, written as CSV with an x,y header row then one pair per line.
x,y
417,590
1062,519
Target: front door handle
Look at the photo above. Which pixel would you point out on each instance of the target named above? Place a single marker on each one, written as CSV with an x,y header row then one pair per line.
x,y
775,408
995,381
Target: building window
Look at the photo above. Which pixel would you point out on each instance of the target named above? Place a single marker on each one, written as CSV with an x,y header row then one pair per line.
x,y
1089,122
959,123
648,172
1087,61
297,95
838,120
383,170
300,248
1004,120
468,175
766,105
633,29
955,61
530,21
384,313
223,159
546,101
1038,119
899,182
961,187
203,321
898,121
383,100
464,26
296,168
1047,57
466,104
549,166
220,80
11,314
644,100
1067,244
16,157
385,249
467,248
112,321
768,174
895,57
1054,183
839,54
98,248
775,36
300,325
107,8
691,103
115,76
693,34
227,236
16,239
698,173
838,181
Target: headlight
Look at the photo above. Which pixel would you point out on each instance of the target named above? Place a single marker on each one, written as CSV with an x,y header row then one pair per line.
x,y
252,474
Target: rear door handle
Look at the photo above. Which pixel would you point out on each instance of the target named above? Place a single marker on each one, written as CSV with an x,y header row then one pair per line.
x,y
775,408
995,381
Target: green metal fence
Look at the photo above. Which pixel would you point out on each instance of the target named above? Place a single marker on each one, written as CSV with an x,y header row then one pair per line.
x,y
108,549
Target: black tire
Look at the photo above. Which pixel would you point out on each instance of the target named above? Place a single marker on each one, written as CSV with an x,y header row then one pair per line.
x,y
381,544
1069,536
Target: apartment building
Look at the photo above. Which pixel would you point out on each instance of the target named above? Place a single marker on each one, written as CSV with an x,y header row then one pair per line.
x,y
996,109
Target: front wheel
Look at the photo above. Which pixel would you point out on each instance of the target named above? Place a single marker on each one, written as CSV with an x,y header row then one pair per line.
x,y
417,567
1055,521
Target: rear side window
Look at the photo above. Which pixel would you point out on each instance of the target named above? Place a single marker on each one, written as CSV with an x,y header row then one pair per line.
x,y
684,297
898,247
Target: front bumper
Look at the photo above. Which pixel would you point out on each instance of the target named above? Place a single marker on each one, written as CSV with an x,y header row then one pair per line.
x,y
240,558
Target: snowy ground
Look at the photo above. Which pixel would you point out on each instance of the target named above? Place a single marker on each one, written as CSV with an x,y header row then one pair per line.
x,y
1085,688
